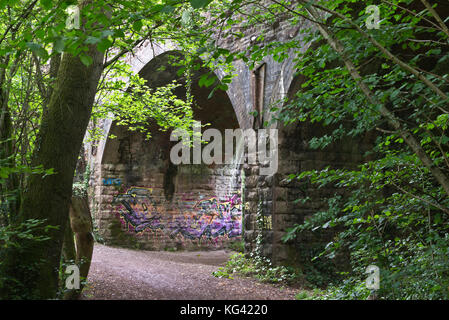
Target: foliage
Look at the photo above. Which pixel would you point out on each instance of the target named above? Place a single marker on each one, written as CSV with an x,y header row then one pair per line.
x,y
256,265
19,238
260,269
81,188
385,90
315,294
402,235
33,36
395,211
238,246
133,104
9,196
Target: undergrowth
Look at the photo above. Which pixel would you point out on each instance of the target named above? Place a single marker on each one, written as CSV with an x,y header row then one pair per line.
x,y
261,269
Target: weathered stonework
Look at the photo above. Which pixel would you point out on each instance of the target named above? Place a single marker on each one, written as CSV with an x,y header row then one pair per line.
x,y
199,206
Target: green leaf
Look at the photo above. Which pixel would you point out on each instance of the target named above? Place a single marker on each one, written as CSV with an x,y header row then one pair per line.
x,y
86,60
3,3
40,33
37,49
33,46
104,44
4,172
197,4
46,4
167,9
157,8
92,40
137,25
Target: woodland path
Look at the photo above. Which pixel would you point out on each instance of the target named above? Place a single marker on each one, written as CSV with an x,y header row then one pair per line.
x,y
118,273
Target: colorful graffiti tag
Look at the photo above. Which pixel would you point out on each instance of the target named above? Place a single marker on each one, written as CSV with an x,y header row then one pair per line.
x,y
138,209
112,181
210,218
201,219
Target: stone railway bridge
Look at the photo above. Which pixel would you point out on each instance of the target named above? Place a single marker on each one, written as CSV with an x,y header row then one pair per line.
x,y
142,200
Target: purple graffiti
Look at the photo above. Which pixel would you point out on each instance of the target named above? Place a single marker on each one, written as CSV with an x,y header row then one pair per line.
x,y
212,219
204,219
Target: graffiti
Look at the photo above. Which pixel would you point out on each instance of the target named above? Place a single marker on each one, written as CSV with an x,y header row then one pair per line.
x,y
202,219
210,218
111,181
138,209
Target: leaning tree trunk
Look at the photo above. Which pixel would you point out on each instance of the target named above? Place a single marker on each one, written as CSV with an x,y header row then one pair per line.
x,y
81,226
48,197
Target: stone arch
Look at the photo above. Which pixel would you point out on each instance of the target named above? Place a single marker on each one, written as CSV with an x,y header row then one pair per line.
x,y
278,81
148,202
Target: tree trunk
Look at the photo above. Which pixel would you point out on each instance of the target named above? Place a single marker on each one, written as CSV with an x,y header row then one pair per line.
x,y
81,225
68,246
48,197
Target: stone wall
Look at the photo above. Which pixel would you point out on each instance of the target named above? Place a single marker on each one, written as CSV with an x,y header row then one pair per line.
x,y
191,211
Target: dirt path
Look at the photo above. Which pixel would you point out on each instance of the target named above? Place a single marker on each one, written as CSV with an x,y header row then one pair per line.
x,y
118,273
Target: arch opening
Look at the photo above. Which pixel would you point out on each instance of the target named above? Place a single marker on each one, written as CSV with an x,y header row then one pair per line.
x,y
146,201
